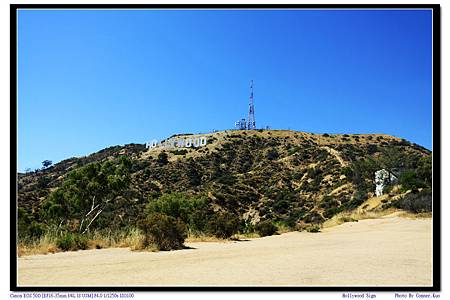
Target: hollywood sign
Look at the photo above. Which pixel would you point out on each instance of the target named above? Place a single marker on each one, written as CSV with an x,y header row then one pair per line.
x,y
178,143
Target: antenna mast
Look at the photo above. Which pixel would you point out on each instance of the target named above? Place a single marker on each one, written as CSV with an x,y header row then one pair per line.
x,y
251,112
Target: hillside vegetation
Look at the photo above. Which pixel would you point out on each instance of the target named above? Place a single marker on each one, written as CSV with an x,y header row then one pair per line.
x,y
241,181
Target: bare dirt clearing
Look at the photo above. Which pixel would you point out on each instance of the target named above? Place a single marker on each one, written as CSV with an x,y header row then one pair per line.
x,y
391,251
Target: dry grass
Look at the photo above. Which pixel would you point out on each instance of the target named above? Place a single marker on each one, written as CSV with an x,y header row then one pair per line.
x,y
134,240
282,228
295,136
243,236
374,214
408,215
201,237
98,244
356,216
46,244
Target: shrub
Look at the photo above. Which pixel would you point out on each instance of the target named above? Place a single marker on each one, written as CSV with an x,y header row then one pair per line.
x,y
294,149
410,181
357,200
71,242
404,142
416,202
162,158
227,178
314,228
164,232
347,171
347,219
266,228
313,217
66,242
36,229
330,212
28,228
81,242
321,155
424,169
223,225
372,148
325,135
272,154
180,152
193,211
281,206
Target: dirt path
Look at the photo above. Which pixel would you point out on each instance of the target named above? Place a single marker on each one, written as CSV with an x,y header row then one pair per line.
x,y
336,154
391,251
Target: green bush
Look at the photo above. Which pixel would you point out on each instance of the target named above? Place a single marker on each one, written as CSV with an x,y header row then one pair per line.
x,y
410,181
192,211
313,217
164,232
66,242
416,202
81,242
162,158
179,152
265,228
71,242
314,228
357,200
272,154
28,228
424,169
36,229
346,219
330,212
223,225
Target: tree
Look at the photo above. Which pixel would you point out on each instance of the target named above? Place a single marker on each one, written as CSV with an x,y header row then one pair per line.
x,y
191,210
46,163
86,193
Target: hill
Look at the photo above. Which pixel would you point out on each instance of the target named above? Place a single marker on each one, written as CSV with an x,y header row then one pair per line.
x,y
293,179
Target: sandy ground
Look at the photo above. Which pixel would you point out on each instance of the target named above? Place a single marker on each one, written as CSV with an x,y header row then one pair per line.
x,y
390,251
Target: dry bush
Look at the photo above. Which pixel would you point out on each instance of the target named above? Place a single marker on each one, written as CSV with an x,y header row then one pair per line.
x,y
163,232
266,228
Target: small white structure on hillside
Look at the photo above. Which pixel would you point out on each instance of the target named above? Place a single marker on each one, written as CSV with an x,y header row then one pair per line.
x,y
382,178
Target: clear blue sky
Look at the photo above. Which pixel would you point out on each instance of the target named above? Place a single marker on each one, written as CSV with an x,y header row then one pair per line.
x,y
93,79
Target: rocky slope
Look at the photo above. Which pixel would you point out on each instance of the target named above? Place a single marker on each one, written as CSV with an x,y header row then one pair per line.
x,y
285,176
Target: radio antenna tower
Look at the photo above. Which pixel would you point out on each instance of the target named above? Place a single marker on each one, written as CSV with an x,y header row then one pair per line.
x,y
251,111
